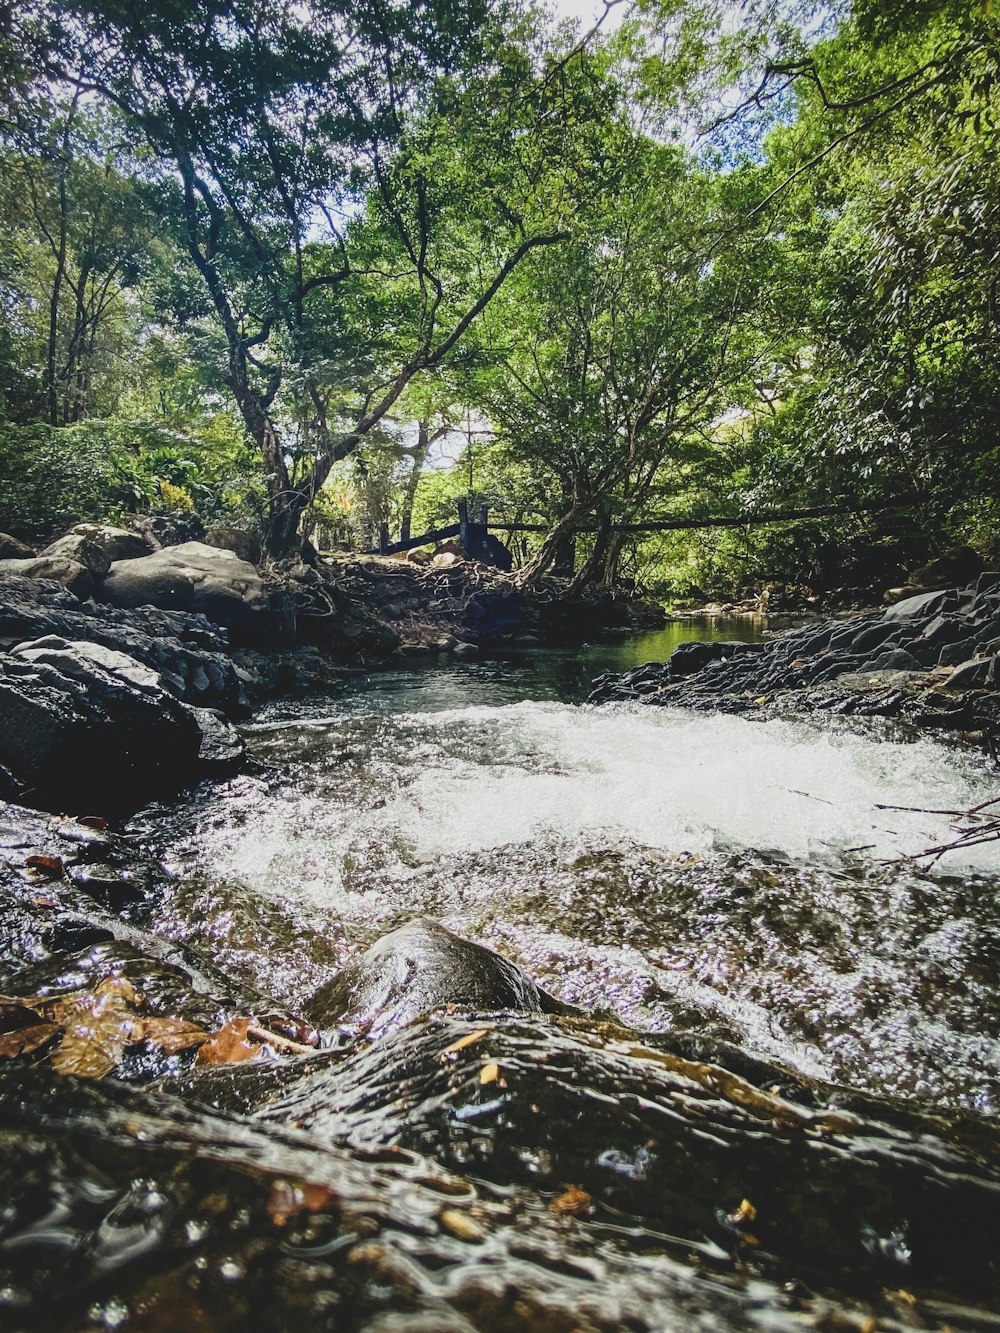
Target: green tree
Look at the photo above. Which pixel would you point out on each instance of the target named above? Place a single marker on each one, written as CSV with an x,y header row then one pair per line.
x,y
330,164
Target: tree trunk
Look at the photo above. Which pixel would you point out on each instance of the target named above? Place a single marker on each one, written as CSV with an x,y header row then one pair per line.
x,y
595,562
564,563
410,492
549,549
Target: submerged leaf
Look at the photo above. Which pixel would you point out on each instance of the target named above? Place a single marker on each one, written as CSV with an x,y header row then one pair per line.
x,y
573,1202
172,1035
98,1028
28,1039
97,1032
46,867
230,1044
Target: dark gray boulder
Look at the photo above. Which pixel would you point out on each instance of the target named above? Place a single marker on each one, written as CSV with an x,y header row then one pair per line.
x,y
419,968
190,655
971,674
86,729
924,604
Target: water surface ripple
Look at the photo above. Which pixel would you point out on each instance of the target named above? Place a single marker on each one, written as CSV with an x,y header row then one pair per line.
x,y
678,871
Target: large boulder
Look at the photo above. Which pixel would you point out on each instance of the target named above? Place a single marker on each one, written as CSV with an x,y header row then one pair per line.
x,y
76,546
13,549
190,655
247,545
73,576
416,969
116,543
190,577
86,729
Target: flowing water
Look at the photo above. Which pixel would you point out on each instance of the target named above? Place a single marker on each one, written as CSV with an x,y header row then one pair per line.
x,y
738,908
675,871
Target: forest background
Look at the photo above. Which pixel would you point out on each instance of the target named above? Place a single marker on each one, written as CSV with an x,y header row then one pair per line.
x,y
325,266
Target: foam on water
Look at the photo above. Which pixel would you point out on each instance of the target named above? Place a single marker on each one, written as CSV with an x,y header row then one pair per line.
x,y
683,871
682,782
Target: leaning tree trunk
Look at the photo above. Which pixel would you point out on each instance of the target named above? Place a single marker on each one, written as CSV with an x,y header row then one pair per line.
x,y
539,564
595,562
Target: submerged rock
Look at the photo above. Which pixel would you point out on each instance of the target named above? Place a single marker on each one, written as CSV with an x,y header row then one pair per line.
x,y
419,968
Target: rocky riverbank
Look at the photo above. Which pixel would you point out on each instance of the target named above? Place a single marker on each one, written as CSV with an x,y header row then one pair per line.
x,y
932,659
124,666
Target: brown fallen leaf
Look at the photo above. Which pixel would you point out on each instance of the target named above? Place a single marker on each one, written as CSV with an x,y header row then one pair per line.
x,y
46,867
230,1045
25,1040
98,1027
92,821
489,1073
172,1035
469,1039
573,1202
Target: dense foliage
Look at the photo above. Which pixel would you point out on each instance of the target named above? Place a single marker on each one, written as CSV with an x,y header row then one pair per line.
x,y
342,264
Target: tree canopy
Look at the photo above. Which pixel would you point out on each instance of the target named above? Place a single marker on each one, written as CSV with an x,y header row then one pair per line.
x,y
712,260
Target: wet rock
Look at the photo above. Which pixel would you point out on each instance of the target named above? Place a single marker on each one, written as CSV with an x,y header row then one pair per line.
x,y
69,574
922,604
972,674
418,968
650,1128
879,664
189,577
81,725
896,660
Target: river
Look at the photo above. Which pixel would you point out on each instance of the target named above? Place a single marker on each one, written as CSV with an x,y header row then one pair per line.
x,y
775,1110
676,871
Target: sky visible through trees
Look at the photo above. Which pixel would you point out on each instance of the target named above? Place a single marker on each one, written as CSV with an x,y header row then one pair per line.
x,y
272,267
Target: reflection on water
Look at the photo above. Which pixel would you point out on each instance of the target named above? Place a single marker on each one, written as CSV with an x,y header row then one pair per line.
x,y
682,871
563,674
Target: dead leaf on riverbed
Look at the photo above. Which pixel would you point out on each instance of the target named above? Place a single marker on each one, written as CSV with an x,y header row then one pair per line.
x,y
573,1202
28,1039
98,1026
172,1035
230,1045
45,867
